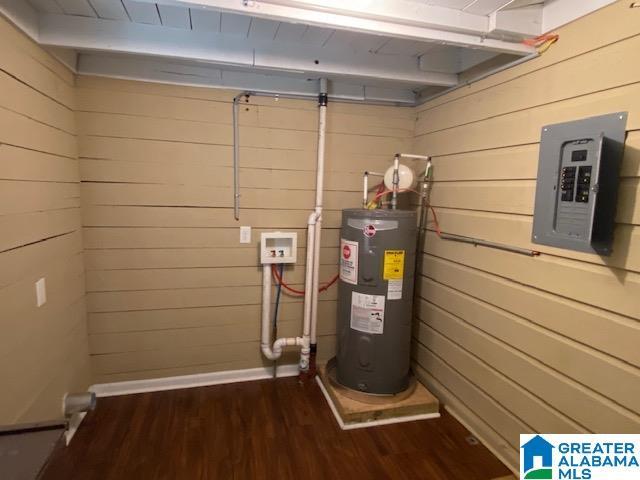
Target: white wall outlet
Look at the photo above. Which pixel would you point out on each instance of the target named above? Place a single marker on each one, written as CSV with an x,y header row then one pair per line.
x,y
245,234
41,292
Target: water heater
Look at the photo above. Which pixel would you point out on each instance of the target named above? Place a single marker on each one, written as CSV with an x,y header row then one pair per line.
x,y
375,298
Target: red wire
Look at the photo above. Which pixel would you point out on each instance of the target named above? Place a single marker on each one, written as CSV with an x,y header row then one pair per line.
x,y
435,221
536,41
276,274
385,192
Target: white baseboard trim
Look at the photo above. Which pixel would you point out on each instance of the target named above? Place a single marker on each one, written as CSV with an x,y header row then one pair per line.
x,y
190,381
371,423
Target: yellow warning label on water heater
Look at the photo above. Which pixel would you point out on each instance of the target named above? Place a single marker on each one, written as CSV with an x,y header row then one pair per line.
x,y
393,264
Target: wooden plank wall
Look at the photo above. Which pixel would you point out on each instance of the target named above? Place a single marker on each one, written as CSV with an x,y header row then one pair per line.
x,y
170,288
514,344
43,351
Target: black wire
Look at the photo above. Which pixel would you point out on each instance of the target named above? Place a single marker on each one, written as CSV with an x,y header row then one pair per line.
x,y
274,330
275,313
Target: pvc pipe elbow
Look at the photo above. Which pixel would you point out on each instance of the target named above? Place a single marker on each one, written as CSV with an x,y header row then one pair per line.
x,y
270,354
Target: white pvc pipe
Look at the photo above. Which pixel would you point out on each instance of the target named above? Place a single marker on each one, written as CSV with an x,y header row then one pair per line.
x,y
411,155
275,352
315,291
322,127
308,286
365,189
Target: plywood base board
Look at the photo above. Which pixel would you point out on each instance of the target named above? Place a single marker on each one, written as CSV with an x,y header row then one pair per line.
x,y
350,413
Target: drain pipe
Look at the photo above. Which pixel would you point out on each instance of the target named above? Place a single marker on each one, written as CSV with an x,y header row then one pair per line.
x,y
272,352
322,127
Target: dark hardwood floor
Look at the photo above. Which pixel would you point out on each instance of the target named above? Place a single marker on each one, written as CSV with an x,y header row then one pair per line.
x,y
271,429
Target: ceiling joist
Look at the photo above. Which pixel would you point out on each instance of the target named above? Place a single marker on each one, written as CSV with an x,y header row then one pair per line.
x,y
404,19
86,33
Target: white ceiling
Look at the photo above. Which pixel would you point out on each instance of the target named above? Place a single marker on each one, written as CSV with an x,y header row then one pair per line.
x,y
380,50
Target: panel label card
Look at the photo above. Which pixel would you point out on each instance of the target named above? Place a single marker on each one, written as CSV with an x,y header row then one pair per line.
x,y
393,265
394,290
349,261
367,313
580,456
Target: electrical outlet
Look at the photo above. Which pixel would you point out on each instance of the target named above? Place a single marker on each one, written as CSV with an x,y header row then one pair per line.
x,y
245,234
41,292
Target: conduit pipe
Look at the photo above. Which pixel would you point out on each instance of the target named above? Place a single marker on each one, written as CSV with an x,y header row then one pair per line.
x,y
322,127
236,155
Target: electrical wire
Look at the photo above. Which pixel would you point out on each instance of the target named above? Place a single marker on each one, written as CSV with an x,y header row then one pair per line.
x,y
387,192
294,291
373,204
543,42
275,312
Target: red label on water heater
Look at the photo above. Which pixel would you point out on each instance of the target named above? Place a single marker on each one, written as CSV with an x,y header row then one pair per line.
x,y
369,230
346,251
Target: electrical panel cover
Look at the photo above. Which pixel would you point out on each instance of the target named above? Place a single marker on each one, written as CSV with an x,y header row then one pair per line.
x,y
576,191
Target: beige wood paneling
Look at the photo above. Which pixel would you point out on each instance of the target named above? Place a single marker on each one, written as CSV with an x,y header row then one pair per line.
x,y
477,425
156,279
615,379
22,131
551,339
150,320
43,350
516,163
170,237
516,230
19,164
220,197
162,251
595,328
124,259
595,285
601,69
594,412
26,228
24,60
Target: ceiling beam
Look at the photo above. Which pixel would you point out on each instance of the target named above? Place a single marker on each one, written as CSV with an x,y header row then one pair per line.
x,y
85,33
151,69
22,15
517,23
392,18
561,12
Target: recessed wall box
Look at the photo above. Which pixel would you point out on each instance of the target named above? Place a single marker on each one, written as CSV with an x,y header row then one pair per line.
x,y
576,191
278,247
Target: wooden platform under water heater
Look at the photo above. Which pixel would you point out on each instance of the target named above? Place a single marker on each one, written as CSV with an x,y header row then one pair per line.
x,y
357,410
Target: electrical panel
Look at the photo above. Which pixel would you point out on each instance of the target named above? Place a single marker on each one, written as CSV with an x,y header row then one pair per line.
x,y
278,247
577,185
